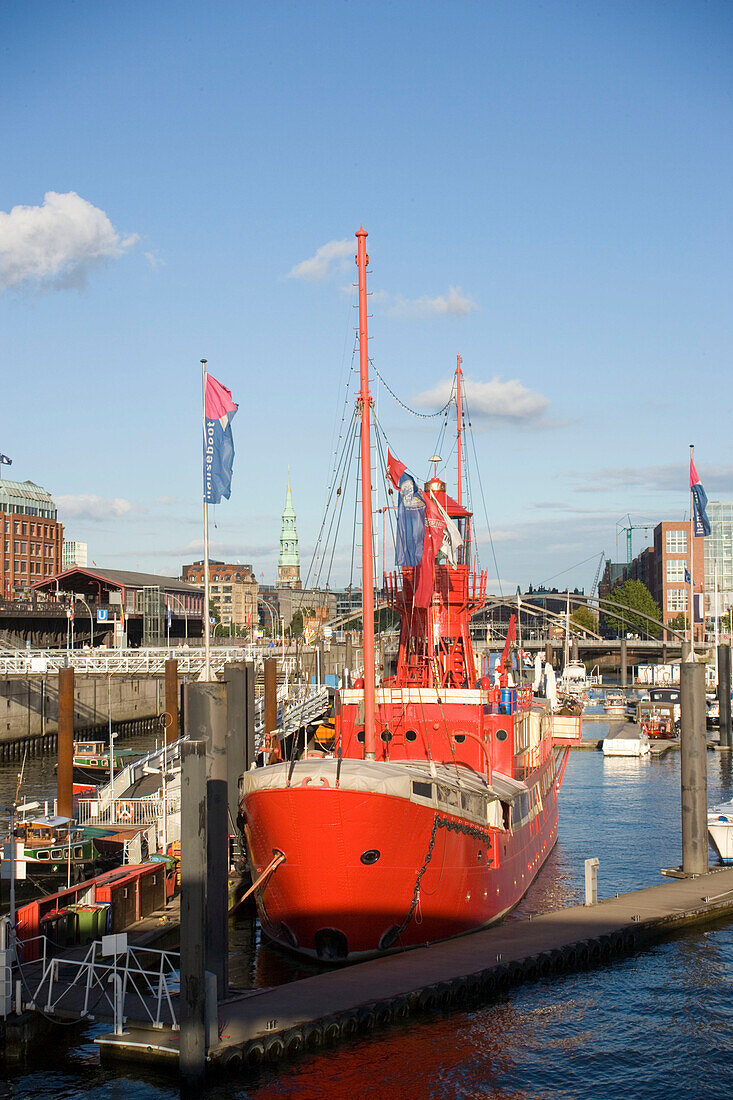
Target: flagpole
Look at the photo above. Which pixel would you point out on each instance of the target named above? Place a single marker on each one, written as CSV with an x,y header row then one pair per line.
x,y
207,650
692,561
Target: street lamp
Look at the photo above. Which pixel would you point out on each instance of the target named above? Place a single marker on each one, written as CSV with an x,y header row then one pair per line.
x,y
91,620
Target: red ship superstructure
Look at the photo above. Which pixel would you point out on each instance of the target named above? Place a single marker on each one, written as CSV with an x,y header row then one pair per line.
x,y
439,804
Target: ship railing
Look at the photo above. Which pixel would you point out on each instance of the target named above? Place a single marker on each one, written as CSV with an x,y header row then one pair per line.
x,y
128,811
134,662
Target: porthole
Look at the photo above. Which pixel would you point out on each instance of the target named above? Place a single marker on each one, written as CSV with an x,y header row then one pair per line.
x,y
360,736
370,856
459,738
501,735
410,735
386,736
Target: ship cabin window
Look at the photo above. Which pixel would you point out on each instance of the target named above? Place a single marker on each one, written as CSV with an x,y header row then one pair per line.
x,y
501,735
472,803
78,852
62,834
422,790
448,795
42,855
507,815
459,738
57,853
410,735
36,834
360,736
386,736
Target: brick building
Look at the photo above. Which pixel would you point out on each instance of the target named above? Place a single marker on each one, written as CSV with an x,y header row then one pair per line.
x,y
234,590
32,536
662,568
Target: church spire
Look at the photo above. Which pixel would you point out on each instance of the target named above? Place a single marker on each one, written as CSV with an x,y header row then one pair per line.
x,y
288,565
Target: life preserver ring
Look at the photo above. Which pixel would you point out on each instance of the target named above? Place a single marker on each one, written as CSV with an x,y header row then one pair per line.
x,y
125,811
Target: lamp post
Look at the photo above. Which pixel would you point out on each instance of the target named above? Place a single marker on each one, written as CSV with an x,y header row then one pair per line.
x,y
91,619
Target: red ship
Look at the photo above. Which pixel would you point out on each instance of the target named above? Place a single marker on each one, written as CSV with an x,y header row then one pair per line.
x,y
440,803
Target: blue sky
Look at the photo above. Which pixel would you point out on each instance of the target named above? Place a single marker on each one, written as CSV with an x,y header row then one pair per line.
x,y
547,189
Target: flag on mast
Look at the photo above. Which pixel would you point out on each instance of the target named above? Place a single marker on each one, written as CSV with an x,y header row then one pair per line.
x,y
219,409
5,461
700,519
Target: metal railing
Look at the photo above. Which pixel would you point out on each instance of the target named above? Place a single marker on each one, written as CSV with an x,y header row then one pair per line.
x,y
121,982
132,662
128,811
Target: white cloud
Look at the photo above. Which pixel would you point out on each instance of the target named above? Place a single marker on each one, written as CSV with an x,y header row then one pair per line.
x,y
453,304
328,257
494,400
91,507
671,478
57,244
154,260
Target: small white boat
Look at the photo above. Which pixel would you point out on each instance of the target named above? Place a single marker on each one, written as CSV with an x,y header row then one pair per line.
x,y
615,704
629,740
720,830
574,681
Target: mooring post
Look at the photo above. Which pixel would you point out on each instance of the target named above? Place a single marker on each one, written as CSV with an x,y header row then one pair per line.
x,y
235,678
693,769
548,654
171,701
65,741
591,881
574,653
193,913
270,700
250,744
624,663
724,686
206,712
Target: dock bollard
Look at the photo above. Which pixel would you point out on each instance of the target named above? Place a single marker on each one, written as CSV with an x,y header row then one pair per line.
x,y
591,881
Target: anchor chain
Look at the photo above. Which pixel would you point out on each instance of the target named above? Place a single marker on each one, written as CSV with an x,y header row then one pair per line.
x,y
450,826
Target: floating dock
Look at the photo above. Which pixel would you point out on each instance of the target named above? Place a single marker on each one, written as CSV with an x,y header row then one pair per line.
x,y
271,1024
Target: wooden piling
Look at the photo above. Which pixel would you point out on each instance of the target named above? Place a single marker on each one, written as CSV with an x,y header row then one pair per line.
x,y
270,695
724,686
693,769
65,769
193,913
171,701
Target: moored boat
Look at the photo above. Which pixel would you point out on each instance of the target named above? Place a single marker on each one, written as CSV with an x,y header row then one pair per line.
x,y
720,830
91,761
439,805
615,704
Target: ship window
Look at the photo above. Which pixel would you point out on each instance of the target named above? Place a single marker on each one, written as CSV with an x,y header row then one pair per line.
x,y
448,795
78,852
360,736
56,853
410,735
386,736
501,735
43,855
424,790
459,738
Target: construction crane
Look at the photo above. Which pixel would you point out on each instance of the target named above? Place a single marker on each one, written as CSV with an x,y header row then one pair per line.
x,y
628,528
594,586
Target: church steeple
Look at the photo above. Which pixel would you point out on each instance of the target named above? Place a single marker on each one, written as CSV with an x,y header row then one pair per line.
x,y
288,565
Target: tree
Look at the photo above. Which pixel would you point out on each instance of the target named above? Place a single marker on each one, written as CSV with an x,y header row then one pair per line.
x,y
679,622
584,619
296,623
622,601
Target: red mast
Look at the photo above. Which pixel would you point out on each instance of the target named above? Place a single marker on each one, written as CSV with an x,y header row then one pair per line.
x,y
458,433
367,564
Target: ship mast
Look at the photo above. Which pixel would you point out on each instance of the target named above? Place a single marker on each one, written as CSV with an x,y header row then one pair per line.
x,y
367,565
458,431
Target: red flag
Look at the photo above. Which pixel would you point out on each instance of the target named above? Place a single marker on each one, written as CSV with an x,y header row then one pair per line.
x,y
395,469
425,571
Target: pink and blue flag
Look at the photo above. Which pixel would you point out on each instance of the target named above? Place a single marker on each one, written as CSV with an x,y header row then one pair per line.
x,y
219,410
701,523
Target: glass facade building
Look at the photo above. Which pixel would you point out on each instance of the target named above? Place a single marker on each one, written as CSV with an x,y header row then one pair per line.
x,y
719,556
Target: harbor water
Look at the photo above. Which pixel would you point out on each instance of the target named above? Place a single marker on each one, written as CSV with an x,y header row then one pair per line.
x,y
657,1023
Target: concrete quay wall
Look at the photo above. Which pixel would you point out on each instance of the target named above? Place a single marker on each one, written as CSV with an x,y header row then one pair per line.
x,y
29,706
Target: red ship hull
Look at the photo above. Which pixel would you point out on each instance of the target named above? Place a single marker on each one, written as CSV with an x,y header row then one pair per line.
x,y
435,875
